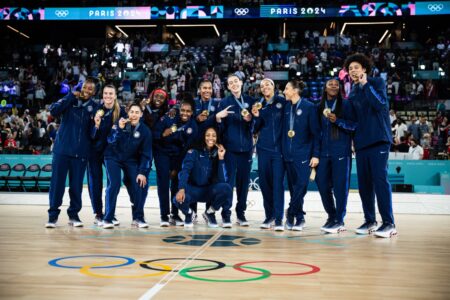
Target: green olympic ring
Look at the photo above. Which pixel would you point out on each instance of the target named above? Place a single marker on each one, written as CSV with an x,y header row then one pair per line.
x,y
184,272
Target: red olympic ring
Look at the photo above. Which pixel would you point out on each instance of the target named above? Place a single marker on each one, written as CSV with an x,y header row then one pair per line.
x,y
314,269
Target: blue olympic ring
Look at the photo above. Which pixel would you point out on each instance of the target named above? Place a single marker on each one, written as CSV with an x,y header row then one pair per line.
x,y
54,262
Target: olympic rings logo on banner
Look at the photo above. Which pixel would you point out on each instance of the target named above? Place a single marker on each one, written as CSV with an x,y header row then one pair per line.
x,y
162,269
435,7
61,13
241,11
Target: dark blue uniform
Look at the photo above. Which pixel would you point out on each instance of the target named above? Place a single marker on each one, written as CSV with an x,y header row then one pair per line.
x,y
269,126
96,158
202,181
334,169
298,151
372,142
130,150
237,139
70,152
169,154
211,107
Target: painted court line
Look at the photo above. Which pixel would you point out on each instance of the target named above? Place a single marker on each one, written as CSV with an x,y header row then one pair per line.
x,y
171,275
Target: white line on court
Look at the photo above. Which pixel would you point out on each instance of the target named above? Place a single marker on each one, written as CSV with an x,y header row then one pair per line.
x,y
171,275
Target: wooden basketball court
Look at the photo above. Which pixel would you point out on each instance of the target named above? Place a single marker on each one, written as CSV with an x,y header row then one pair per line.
x,y
204,263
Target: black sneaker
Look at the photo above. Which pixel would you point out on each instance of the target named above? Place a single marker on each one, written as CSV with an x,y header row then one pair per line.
x,y
242,221
266,224
327,224
176,220
289,222
386,230
335,227
366,228
299,224
210,219
189,220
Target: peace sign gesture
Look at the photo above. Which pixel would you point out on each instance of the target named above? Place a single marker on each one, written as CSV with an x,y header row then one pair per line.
x,y
224,113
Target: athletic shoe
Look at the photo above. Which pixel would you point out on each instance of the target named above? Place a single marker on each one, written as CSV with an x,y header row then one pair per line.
x,y
194,218
299,224
50,224
242,221
176,221
266,224
226,222
189,220
115,221
108,225
335,227
139,224
386,230
164,222
75,222
278,226
289,222
210,219
98,220
327,224
366,228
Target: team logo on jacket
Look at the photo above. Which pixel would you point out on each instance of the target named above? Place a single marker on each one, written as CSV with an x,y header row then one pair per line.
x,y
213,108
137,134
189,130
279,105
90,108
246,105
299,112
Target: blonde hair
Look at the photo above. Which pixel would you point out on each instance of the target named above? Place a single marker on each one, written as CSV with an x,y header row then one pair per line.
x,y
116,110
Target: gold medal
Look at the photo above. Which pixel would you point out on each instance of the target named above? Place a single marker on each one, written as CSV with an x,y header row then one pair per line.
x,y
100,113
291,133
258,105
205,113
173,128
326,111
244,113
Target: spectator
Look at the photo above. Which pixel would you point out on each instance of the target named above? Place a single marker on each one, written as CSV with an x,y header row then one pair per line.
x,y
415,151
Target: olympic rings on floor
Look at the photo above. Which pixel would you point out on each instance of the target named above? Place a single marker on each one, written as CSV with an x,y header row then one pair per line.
x,y
219,265
314,269
86,271
184,272
54,262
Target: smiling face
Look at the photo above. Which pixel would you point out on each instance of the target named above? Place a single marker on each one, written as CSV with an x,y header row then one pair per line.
x,y
206,90
332,88
234,84
210,138
355,70
134,114
267,88
290,92
185,112
158,99
87,90
109,96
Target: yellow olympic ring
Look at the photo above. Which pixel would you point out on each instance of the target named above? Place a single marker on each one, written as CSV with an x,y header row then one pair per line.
x,y
86,270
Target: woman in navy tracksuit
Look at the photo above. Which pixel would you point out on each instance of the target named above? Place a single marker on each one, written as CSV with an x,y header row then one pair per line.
x,y
70,151
173,136
105,117
268,124
205,107
203,178
333,172
129,150
372,142
300,147
235,124
154,108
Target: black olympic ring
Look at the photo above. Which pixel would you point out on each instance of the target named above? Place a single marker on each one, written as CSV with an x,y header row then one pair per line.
x,y
435,7
220,265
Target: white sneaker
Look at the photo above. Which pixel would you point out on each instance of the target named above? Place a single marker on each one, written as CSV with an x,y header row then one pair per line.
x,y
139,224
115,222
386,230
243,223
98,221
227,225
75,223
266,224
50,225
366,228
335,228
107,225
298,226
279,228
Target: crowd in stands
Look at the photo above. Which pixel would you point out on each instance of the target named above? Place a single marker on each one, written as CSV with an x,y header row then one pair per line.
x,y
37,79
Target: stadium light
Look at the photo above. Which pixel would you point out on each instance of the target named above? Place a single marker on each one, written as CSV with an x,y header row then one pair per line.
x,y
422,67
17,31
123,32
179,38
362,23
383,36
130,65
114,64
119,27
197,25
298,73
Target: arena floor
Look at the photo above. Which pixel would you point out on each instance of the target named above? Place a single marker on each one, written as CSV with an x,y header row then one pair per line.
x,y
205,263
